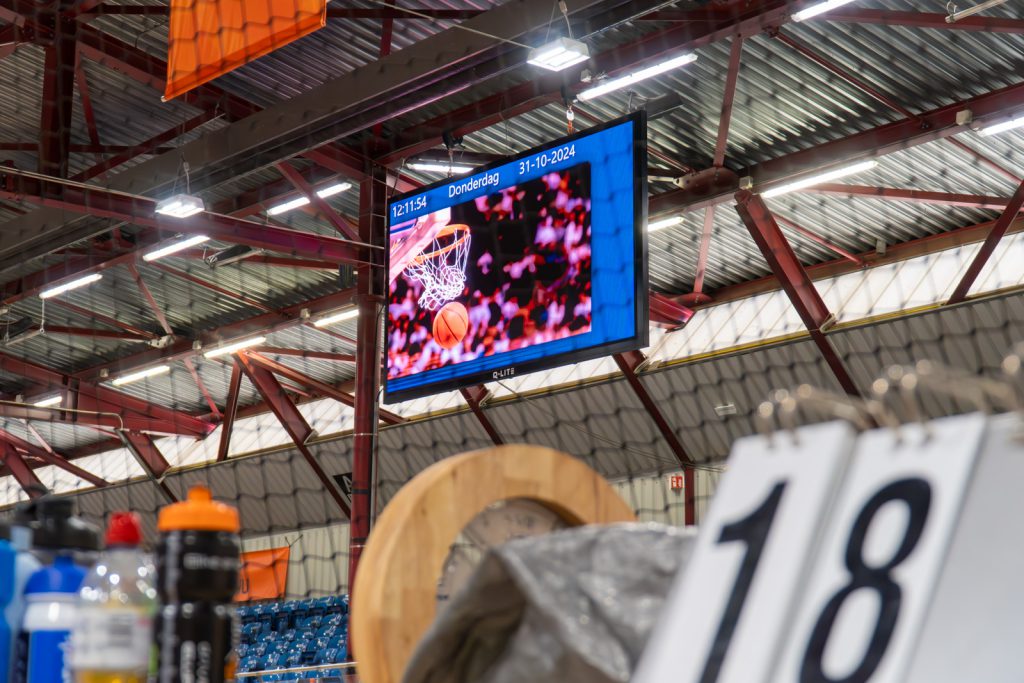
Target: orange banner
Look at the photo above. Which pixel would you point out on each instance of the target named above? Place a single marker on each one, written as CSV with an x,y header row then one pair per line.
x,y
264,575
209,38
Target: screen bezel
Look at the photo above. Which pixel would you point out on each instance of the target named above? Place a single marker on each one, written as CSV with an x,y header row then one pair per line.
x,y
641,299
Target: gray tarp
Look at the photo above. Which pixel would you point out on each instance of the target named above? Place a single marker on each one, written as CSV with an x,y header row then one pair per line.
x,y
573,606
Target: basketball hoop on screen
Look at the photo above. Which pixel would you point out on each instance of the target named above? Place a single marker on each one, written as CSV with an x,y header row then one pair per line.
x,y
441,267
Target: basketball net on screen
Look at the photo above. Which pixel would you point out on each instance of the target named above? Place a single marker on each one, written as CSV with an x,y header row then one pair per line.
x,y
442,267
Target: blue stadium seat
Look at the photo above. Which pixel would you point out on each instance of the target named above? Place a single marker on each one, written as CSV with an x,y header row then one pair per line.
x,y
282,618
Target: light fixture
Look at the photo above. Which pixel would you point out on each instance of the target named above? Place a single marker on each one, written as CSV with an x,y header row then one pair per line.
x,y
820,178
611,84
234,254
142,374
303,200
956,16
663,223
1003,126
47,402
337,318
68,286
180,206
439,167
559,54
819,8
236,346
332,190
174,248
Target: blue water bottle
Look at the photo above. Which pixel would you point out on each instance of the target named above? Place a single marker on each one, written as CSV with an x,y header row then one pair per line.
x,y
17,564
51,594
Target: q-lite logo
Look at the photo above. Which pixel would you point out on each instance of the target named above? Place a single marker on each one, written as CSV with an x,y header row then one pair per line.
x,y
502,374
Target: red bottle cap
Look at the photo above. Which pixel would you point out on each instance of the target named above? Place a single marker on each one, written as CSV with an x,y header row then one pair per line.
x,y
124,529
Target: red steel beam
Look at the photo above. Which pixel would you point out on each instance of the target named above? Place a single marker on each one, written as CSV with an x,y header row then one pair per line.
x,y
322,388
917,196
94,333
230,412
795,282
86,101
304,353
21,471
668,312
150,459
322,207
924,20
291,419
87,418
988,247
142,211
75,147
58,95
725,117
105,319
892,137
475,396
51,459
818,239
628,364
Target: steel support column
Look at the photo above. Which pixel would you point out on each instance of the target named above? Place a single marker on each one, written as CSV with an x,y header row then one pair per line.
x,y
628,363
475,396
795,282
1013,207
230,412
58,93
371,284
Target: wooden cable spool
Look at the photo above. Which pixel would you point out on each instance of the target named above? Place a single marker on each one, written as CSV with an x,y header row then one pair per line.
x,y
393,600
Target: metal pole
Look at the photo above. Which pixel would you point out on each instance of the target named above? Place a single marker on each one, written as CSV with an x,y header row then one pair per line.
x,y
369,297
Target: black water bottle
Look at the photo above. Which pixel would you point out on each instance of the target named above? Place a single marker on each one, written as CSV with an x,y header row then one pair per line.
x,y
197,565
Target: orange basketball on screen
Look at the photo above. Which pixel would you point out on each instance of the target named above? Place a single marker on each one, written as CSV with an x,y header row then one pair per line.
x,y
451,324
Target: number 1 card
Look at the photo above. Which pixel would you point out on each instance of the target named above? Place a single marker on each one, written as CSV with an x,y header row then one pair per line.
x,y
726,615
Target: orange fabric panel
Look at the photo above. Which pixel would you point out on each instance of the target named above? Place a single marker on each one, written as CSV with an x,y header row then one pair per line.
x,y
209,38
264,575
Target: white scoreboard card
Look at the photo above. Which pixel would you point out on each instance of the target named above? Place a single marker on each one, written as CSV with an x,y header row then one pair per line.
x,y
881,554
975,625
723,621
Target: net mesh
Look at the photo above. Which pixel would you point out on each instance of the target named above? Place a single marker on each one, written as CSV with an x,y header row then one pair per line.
x,y
294,156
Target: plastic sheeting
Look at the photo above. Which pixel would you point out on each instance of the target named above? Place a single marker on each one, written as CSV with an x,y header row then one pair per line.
x,y
574,606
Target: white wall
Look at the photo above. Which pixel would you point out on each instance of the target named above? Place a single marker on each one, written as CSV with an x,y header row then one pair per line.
x,y
654,500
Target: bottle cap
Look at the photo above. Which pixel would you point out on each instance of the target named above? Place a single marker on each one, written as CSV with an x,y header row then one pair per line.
x,y
59,529
64,576
199,513
124,528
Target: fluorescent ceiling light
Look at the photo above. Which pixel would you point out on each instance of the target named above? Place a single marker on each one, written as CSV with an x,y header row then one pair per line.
x,y
303,200
819,8
332,190
337,318
174,248
663,223
820,178
611,84
559,54
236,346
287,206
142,374
180,206
47,402
68,286
1003,126
439,167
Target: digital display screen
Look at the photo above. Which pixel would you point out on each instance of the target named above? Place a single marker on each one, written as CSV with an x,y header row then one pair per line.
x,y
526,264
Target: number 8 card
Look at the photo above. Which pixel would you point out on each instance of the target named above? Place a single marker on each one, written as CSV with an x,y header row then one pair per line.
x,y
881,554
